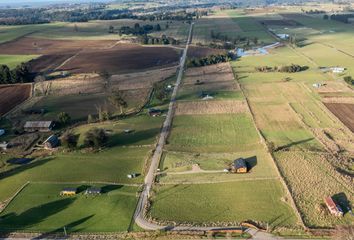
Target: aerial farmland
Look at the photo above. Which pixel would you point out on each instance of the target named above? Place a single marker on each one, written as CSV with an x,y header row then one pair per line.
x,y
153,120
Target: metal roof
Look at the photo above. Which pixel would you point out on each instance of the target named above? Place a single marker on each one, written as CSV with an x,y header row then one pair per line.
x,y
38,124
240,163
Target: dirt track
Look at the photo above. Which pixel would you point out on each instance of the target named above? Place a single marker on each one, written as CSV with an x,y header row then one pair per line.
x,y
10,96
343,111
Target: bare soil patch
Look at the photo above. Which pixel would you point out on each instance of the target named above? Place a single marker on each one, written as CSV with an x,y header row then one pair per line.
x,y
344,111
209,74
47,63
122,58
210,107
37,46
11,96
200,52
338,100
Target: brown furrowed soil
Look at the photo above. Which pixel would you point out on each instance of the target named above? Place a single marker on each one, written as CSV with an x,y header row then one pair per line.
x,y
122,58
344,111
47,63
200,52
210,107
37,46
10,96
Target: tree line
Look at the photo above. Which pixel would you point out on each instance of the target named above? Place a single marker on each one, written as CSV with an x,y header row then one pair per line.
x,y
293,68
223,41
344,18
137,29
19,74
210,60
146,39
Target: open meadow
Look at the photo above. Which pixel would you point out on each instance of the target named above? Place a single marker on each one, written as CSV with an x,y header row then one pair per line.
x,y
39,207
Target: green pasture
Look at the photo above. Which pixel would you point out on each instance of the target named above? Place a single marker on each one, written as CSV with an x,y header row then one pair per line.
x,y
213,133
39,207
261,201
111,165
14,60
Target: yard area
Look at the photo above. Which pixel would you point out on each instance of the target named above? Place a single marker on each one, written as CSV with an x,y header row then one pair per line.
x,y
262,201
39,207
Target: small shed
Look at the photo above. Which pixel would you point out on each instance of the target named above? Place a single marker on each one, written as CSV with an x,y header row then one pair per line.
x,y
4,146
133,175
93,191
68,192
51,142
333,207
38,126
154,112
239,166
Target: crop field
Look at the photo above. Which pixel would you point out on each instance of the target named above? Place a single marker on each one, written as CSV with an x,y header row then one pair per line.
x,y
93,56
200,52
344,111
40,208
10,96
223,202
233,23
216,80
121,59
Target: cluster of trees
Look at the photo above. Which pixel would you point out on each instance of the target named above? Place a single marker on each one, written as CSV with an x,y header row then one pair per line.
x,y
349,80
19,74
146,39
339,17
212,59
94,138
293,68
137,29
316,11
230,43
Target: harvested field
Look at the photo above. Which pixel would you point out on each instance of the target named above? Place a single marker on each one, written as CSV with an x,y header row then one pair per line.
x,y
92,83
209,74
27,45
122,58
47,63
210,107
282,22
10,96
200,52
303,171
344,111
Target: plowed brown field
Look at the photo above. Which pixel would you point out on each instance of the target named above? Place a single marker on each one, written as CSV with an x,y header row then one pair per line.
x,y
10,96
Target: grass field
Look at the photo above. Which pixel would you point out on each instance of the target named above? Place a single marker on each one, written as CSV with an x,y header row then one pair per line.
x,y
13,60
213,133
225,202
111,165
40,208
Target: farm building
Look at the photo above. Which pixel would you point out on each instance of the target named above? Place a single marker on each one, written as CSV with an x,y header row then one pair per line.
x,y
283,36
337,69
68,192
333,208
239,166
51,142
154,112
40,126
93,190
4,146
